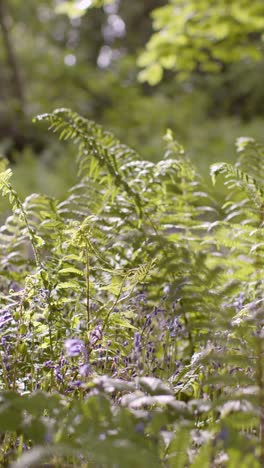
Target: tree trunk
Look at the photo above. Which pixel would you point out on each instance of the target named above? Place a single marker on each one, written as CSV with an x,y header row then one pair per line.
x,y
11,58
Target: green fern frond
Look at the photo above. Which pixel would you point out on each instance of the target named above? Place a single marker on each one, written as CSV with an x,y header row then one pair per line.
x,y
94,144
236,177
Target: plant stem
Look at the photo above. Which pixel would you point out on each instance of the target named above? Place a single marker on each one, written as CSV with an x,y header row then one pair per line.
x,y
114,303
87,281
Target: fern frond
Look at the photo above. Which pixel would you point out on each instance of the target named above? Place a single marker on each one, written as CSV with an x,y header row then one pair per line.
x,y
236,177
94,144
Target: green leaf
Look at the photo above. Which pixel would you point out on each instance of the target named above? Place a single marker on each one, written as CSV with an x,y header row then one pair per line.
x,y
152,74
68,285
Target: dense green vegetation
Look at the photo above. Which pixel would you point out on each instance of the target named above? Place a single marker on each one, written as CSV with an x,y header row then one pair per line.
x,y
131,291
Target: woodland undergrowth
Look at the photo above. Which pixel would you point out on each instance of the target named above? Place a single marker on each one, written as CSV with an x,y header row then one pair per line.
x,y
131,311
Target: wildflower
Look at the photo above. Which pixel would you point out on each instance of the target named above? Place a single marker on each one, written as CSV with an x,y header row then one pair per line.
x,y
85,370
137,342
75,384
74,347
96,335
49,364
5,317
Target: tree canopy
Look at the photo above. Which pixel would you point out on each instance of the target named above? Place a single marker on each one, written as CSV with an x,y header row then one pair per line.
x,y
201,36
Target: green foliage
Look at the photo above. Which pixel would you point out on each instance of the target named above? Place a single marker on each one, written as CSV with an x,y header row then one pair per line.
x,y
59,57
132,311
200,36
131,306
75,9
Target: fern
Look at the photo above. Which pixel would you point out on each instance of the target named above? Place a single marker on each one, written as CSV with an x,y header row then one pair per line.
x,y
160,292
94,145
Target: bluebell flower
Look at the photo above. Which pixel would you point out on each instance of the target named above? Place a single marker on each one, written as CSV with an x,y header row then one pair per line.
x,y
85,370
5,317
74,347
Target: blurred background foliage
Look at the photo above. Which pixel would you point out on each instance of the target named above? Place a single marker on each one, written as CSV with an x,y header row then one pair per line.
x,y
69,54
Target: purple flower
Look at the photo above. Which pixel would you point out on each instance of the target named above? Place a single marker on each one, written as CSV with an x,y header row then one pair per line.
x,y
49,364
74,347
137,342
5,317
75,384
96,335
85,370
